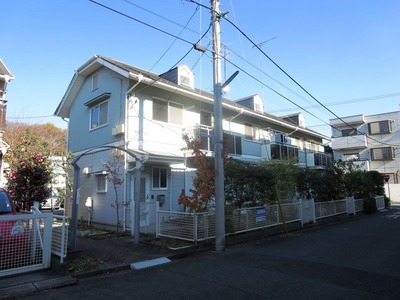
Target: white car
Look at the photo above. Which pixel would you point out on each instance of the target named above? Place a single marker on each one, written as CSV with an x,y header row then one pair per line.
x,y
51,203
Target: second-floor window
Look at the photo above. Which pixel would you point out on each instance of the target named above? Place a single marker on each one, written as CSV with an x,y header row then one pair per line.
x,y
349,132
322,159
283,152
233,143
99,115
251,132
207,139
169,112
385,153
380,127
205,118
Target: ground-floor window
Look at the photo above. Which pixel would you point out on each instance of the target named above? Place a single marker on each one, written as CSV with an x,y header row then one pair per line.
x,y
101,186
159,176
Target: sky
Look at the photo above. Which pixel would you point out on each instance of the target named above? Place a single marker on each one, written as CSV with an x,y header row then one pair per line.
x,y
325,59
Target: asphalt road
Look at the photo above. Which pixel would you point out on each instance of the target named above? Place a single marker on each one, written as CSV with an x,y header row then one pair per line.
x,y
354,259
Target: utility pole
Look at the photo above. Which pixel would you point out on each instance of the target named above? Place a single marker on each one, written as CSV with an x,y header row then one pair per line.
x,y
218,133
138,176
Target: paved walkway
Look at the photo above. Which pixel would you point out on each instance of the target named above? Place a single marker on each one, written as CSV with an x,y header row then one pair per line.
x,y
354,258
96,256
93,256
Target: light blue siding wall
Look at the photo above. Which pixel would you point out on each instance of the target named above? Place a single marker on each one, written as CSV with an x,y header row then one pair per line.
x,y
84,138
177,184
102,211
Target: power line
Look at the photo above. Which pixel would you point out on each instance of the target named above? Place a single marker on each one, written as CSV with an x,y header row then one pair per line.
x,y
272,78
275,91
139,21
158,29
351,101
194,46
33,117
165,52
298,84
160,16
222,15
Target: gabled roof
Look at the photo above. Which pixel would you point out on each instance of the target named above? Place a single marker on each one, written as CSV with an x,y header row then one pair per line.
x,y
130,72
5,72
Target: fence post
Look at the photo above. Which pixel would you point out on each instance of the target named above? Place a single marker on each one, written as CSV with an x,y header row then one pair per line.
x,y
247,219
277,213
157,220
47,239
335,207
63,243
205,225
350,205
301,212
313,210
195,227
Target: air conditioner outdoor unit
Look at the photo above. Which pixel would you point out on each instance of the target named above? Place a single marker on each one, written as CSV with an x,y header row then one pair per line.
x,y
119,129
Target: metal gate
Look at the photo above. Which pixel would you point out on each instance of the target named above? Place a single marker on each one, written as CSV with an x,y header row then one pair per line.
x,y
25,243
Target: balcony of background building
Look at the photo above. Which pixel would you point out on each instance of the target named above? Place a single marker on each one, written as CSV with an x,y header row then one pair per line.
x,y
349,142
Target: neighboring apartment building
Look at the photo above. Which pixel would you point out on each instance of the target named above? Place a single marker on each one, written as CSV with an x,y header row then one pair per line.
x,y
5,78
110,103
372,142
58,182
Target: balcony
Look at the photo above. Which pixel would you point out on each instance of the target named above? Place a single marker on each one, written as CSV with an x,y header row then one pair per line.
x,y
204,134
349,142
351,120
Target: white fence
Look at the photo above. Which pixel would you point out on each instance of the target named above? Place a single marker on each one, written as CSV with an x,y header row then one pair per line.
x,y
201,226
380,202
25,243
248,219
185,226
330,208
59,243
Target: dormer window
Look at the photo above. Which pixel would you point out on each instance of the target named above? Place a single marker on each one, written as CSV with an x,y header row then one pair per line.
x,y
185,77
182,76
184,80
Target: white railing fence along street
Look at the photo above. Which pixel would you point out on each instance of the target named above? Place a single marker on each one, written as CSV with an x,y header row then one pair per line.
x,y
196,227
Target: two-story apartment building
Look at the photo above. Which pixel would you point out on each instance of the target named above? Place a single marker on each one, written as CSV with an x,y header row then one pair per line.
x,y
372,142
5,78
110,103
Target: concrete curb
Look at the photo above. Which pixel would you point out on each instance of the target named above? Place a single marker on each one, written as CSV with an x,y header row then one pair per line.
x,y
37,286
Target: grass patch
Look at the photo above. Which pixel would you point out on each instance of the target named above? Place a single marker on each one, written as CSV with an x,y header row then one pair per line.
x,y
83,264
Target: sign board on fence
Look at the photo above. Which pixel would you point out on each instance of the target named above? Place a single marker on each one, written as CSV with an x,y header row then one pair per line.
x,y
261,216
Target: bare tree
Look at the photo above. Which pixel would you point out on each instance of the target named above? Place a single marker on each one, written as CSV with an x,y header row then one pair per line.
x,y
113,168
